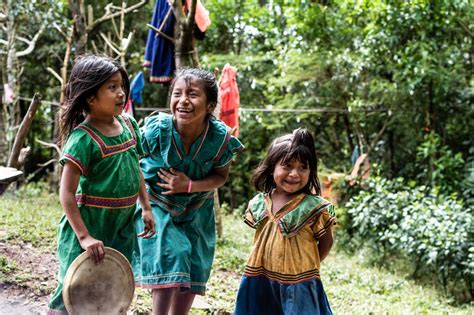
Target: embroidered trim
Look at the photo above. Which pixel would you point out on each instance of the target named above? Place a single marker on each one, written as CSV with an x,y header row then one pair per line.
x,y
280,277
105,149
326,227
130,126
101,202
310,217
160,79
202,140
78,163
222,147
162,286
176,147
56,312
172,207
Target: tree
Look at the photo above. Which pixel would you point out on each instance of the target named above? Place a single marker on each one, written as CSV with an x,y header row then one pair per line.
x,y
18,41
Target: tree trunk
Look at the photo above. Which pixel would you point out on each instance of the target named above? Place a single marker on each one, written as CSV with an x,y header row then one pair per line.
x,y
76,9
3,135
185,49
23,131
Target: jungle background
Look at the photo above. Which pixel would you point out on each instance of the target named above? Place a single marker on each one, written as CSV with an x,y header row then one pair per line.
x,y
390,79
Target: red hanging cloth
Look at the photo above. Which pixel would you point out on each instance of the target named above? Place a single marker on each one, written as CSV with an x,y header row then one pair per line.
x,y
230,98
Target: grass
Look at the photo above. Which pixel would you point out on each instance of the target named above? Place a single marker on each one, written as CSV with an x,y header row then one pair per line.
x,y
30,215
353,287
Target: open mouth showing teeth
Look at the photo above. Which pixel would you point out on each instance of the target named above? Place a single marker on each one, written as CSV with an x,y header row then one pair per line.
x,y
184,110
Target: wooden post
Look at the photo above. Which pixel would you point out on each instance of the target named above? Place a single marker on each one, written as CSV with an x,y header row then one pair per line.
x,y
23,131
217,213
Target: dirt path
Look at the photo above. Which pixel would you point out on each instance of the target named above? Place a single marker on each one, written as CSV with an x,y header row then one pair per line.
x,y
27,279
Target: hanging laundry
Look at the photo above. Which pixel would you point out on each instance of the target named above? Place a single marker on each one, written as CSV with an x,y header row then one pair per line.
x,y
159,52
230,98
128,108
201,18
136,87
9,94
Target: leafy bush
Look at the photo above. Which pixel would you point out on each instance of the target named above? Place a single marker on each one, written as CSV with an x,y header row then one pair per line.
x,y
432,230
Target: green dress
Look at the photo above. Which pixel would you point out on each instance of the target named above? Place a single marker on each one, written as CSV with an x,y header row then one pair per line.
x,y
181,252
106,195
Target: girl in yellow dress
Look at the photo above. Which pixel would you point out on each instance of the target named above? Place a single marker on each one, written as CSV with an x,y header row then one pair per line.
x,y
293,233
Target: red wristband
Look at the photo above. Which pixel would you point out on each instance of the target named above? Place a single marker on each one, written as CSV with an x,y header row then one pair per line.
x,y
190,186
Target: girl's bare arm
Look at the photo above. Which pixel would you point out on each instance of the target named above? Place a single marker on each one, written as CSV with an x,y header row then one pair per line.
x,y
178,182
67,197
325,244
147,214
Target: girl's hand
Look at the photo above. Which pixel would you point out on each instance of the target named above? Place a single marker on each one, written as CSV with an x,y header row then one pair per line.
x,y
94,247
175,181
149,222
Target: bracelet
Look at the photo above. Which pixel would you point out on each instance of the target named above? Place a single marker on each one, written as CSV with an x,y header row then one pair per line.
x,y
190,186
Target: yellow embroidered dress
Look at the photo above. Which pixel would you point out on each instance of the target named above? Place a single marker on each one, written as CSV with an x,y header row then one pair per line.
x,y
282,272
106,194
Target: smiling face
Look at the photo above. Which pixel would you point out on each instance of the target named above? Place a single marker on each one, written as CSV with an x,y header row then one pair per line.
x,y
109,99
290,177
188,102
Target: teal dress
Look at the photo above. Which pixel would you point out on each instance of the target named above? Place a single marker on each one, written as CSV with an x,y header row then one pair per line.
x,y
181,252
106,194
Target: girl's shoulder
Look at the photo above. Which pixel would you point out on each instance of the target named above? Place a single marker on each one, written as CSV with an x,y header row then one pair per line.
x,y
255,212
314,202
79,134
155,119
306,211
257,201
218,126
220,134
156,124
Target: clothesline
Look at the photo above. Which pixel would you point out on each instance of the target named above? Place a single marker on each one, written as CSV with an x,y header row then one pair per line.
x,y
281,110
246,109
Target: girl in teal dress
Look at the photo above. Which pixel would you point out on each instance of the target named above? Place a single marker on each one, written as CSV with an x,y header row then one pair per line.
x,y
187,156
101,179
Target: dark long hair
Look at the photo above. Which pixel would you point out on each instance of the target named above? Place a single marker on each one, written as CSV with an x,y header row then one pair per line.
x,y
297,145
205,77
87,76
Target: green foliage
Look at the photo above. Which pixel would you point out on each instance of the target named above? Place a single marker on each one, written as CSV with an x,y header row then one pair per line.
x,y
434,231
439,165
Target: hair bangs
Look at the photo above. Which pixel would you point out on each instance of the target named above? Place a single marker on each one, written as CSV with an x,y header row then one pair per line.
x,y
302,154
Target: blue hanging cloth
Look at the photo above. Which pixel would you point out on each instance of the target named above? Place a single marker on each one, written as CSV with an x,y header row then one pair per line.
x,y
159,52
136,87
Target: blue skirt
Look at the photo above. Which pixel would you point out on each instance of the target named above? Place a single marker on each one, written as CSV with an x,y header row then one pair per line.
x,y
262,296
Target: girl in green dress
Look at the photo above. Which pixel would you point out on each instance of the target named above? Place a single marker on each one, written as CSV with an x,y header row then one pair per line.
x,y
101,179
187,156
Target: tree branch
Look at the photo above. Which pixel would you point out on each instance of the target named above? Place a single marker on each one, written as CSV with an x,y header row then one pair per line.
x,y
108,16
109,43
192,13
160,32
31,44
50,145
55,74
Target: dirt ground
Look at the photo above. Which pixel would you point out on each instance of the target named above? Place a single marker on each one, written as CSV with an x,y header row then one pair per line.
x,y
26,289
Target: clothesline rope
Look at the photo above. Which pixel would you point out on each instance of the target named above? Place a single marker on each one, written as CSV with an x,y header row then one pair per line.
x,y
246,109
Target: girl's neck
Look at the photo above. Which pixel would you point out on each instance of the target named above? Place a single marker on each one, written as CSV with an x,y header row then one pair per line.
x,y
280,198
108,126
189,133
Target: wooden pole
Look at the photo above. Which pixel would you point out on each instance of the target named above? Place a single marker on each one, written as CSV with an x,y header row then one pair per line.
x,y
23,131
